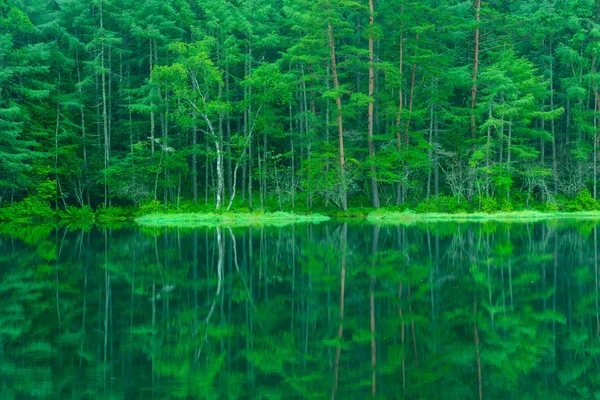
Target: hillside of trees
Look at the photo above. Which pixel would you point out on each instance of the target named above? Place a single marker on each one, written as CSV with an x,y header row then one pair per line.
x,y
299,103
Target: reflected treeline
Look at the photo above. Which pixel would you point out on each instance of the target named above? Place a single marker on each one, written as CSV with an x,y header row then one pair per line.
x,y
434,311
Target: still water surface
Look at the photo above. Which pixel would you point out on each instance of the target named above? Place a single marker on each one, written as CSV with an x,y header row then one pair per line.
x,y
335,310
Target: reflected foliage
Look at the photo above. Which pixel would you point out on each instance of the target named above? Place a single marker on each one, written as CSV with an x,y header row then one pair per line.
x,y
348,311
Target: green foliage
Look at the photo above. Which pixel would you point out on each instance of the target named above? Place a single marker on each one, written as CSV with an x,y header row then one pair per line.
x,y
489,205
443,204
151,207
130,103
30,210
78,215
583,202
354,212
277,218
114,213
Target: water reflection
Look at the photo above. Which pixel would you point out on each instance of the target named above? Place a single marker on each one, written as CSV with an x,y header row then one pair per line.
x,y
340,311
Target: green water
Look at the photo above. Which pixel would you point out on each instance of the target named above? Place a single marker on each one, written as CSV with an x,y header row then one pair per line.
x,y
430,311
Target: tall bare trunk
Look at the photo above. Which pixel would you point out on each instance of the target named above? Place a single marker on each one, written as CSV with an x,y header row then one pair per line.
x,y
104,107
228,135
249,99
83,137
436,165
195,164
475,68
411,96
401,98
552,128
374,189
338,101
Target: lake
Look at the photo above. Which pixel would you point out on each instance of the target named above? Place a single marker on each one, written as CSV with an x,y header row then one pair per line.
x,y
310,311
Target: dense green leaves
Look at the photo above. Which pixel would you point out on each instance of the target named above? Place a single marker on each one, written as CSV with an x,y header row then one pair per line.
x,y
221,102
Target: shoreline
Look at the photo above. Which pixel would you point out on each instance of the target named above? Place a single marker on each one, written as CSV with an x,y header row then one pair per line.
x,y
191,220
509,216
279,218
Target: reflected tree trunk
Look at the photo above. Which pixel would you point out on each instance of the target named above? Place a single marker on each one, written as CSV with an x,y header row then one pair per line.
x,y
372,312
596,279
412,325
477,354
338,350
220,262
106,303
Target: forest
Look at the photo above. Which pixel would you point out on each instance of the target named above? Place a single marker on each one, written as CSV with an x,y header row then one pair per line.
x,y
328,311
439,105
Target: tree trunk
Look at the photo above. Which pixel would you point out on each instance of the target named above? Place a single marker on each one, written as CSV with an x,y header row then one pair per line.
x,y
264,170
508,151
220,175
401,99
228,135
307,131
292,156
195,165
374,188
488,146
596,132
338,101
436,165
104,109
475,69
83,137
249,94
411,95
221,154
552,128
57,128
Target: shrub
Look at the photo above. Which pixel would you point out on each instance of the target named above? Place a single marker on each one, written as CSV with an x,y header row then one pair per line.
x,y
150,207
489,205
443,204
30,209
76,214
583,202
114,213
506,206
355,212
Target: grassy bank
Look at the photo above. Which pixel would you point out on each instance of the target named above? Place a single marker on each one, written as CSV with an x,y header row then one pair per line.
x,y
515,216
32,211
190,220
